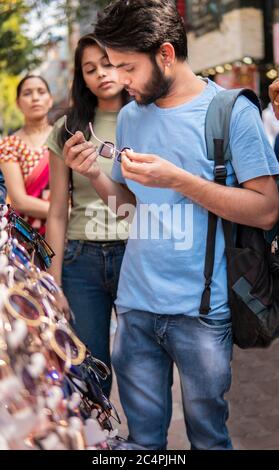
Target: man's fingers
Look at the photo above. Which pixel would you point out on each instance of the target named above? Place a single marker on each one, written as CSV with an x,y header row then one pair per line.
x,y
132,166
138,157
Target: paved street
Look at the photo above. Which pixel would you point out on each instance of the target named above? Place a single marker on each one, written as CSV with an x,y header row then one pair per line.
x,y
254,402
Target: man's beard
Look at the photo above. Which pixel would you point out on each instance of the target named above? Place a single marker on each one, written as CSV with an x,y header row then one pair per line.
x,y
158,87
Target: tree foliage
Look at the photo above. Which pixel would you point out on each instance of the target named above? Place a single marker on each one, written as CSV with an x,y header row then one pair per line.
x,y
10,116
17,52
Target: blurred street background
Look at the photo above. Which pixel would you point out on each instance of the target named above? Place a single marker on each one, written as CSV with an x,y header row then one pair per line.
x,y
234,42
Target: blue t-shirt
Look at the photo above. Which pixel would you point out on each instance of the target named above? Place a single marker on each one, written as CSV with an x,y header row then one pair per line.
x,y
163,266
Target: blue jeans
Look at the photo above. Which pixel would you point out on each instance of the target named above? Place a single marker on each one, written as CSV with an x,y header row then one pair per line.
x,y
90,278
146,347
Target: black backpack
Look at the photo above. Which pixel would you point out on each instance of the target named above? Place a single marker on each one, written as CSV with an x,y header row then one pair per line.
x,y
252,268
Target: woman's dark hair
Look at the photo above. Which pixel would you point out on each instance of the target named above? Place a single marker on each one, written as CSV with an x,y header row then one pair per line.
x,y
83,101
142,26
23,80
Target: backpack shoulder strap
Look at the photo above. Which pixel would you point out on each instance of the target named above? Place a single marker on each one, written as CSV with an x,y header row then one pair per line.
x,y
218,118
217,132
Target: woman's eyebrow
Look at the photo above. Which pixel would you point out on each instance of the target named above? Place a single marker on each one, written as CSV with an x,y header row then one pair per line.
x,y
93,63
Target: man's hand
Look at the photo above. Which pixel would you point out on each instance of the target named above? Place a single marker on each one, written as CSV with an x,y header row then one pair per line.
x,y
148,170
274,96
81,156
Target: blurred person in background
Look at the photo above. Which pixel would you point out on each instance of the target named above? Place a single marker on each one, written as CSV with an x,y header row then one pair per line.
x,y
23,155
271,124
274,96
87,266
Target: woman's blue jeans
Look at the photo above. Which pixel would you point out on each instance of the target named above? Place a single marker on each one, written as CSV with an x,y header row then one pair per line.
x,y
145,348
90,278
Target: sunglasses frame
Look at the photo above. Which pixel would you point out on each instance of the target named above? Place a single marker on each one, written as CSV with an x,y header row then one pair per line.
x,y
15,314
39,245
59,350
114,152
15,252
96,365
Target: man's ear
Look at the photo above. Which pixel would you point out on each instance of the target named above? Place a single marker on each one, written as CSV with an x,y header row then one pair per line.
x,y
167,54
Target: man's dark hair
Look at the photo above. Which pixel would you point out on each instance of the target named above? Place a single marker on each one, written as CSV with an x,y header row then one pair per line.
x,y
142,26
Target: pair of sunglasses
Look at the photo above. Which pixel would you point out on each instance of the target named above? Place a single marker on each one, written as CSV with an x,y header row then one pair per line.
x,y
62,340
106,149
18,256
41,247
93,396
96,366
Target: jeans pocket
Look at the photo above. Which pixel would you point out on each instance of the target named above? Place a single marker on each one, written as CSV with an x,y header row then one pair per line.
x,y
72,251
215,325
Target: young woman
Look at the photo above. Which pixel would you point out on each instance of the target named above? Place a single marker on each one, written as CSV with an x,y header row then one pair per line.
x,y
24,157
88,266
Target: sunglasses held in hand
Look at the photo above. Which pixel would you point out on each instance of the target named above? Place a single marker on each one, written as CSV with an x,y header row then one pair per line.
x,y
106,149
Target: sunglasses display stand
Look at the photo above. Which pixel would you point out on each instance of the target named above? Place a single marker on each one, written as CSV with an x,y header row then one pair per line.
x,y
51,396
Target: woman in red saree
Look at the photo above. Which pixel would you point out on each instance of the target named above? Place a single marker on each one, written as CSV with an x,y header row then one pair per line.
x,y
24,157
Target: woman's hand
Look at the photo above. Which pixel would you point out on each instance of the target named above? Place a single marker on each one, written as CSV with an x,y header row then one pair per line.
x,y
63,305
81,156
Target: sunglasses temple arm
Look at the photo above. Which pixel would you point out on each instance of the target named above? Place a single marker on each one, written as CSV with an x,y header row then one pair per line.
x,y
101,142
66,127
68,362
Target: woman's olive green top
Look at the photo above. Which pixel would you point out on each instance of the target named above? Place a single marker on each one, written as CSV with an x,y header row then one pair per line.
x,y
90,218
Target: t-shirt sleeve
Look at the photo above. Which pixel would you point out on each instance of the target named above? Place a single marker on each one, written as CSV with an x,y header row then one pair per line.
x,y
252,154
8,151
53,141
116,173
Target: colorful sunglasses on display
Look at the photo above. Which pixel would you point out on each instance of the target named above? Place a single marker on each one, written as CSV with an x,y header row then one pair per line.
x,y
48,283
41,247
64,342
22,306
96,366
18,255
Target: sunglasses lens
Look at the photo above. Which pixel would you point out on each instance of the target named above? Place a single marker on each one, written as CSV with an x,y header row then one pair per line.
x,y
44,258
22,257
45,246
24,230
106,150
29,383
63,339
101,368
48,283
20,275
119,155
24,307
